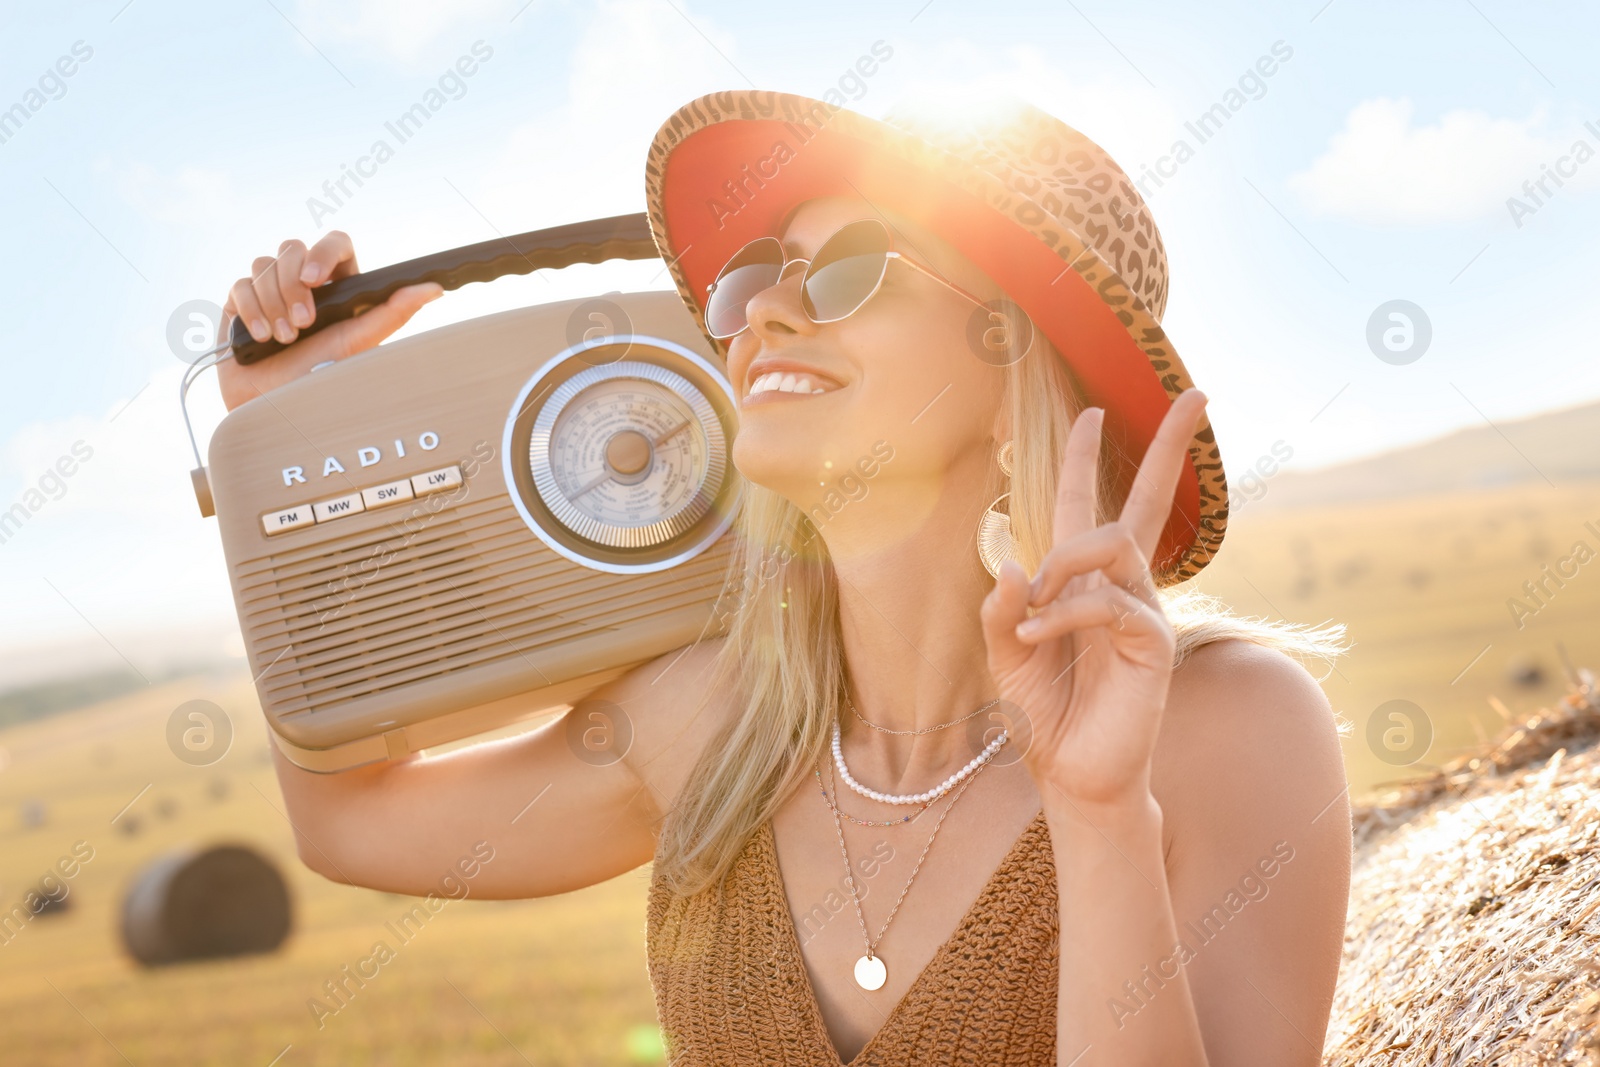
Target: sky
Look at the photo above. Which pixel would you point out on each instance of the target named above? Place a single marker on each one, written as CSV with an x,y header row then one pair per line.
x,y
1435,161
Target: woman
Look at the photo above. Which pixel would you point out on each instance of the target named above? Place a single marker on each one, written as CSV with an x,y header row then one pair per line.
x,y
966,780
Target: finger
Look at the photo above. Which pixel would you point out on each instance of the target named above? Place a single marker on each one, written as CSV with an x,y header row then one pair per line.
x,y
297,297
370,327
229,313
1109,606
1075,486
1110,549
271,301
1150,500
243,297
1001,611
333,256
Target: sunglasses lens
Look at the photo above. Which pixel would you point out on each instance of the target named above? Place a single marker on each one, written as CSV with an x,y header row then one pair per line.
x,y
845,271
752,269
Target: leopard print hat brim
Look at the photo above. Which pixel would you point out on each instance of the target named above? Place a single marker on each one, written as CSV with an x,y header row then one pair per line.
x,y
1040,208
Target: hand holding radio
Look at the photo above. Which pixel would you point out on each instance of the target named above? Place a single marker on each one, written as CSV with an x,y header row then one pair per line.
x,y
275,303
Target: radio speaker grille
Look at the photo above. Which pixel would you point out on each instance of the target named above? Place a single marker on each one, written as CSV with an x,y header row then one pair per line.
x,y
430,595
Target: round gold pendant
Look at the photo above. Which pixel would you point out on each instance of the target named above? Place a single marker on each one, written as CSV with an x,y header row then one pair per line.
x,y
870,972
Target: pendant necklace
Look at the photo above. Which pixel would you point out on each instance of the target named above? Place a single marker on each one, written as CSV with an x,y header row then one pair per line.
x,y
870,971
833,804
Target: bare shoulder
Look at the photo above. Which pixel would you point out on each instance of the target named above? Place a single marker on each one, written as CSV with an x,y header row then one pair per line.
x,y
670,708
1255,809
1248,738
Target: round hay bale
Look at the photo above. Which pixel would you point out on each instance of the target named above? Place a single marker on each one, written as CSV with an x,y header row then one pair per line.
x,y
227,900
1470,936
55,901
33,814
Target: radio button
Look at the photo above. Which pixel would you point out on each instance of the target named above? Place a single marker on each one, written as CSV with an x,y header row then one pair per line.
x,y
434,481
378,495
338,507
278,521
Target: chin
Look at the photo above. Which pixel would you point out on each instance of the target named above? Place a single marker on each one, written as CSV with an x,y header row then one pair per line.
x,y
814,463
783,459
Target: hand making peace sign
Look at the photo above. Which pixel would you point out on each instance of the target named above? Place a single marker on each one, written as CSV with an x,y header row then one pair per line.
x,y
1092,667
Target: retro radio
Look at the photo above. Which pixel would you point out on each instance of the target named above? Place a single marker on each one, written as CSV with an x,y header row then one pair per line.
x,y
461,529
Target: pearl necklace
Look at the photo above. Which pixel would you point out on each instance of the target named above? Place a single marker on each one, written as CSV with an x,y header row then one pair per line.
x,y
919,798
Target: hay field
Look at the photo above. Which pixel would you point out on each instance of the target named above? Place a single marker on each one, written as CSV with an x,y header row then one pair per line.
x,y
1422,585
560,980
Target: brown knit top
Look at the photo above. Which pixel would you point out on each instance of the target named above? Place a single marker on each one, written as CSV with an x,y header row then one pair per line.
x,y
731,985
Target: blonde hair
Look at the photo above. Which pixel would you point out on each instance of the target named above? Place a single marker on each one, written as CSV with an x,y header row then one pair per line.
x,y
783,653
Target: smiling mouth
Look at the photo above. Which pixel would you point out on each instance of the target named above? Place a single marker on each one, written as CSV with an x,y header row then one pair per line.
x,y
788,383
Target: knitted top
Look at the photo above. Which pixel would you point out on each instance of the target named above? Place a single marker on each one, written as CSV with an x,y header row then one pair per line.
x,y
731,986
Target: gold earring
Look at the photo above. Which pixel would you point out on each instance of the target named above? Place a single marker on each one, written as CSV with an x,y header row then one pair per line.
x,y
995,543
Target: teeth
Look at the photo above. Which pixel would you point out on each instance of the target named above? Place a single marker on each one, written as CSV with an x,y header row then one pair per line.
x,y
786,382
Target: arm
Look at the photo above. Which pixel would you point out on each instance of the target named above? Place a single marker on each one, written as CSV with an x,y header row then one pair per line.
x,y
554,820
1086,652
1223,947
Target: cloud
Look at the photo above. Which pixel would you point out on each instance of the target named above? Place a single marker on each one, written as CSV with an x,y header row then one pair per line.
x,y
400,28
1382,170
1128,119
190,195
636,61
120,537
140,454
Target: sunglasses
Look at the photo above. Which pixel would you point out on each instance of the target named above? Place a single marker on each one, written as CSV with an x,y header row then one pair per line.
x,y
846,271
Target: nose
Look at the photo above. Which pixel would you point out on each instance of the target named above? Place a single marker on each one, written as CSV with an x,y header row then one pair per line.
x,y
775,311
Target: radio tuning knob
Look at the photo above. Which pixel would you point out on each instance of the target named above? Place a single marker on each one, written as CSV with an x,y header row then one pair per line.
x,y
628,452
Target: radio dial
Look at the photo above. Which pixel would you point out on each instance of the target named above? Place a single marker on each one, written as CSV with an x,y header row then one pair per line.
x,y
629,457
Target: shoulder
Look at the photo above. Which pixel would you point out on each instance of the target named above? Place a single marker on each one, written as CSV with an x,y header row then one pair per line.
x,y
1235,682
1248,737
670,706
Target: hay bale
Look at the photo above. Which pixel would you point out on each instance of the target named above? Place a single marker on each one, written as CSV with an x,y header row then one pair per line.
x,y
226,900
1472,931
52,900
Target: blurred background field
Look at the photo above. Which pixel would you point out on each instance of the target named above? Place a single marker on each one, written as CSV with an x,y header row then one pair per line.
x,y
1420,552
553,981
1422,586
1421,579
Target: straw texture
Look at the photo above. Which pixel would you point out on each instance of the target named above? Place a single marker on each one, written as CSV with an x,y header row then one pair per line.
x,y
1472,933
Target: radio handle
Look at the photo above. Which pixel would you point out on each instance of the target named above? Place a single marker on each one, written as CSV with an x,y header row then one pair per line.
x,y
592,241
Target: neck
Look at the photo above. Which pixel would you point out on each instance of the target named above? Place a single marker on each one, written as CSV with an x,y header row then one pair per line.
x,y
913,642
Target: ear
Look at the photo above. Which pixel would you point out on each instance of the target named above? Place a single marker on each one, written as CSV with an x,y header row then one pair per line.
x,y
1002,417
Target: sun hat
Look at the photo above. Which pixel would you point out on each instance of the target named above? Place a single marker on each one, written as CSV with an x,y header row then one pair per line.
x,y
1033,203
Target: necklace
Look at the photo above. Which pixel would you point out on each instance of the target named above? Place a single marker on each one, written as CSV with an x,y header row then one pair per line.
x,y
924,730
864,822
917,798
870,970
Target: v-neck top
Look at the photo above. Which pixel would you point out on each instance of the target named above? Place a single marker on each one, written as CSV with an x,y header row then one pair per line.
x,y
731,986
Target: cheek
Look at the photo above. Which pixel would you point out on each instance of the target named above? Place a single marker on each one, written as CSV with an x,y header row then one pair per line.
x,y
919,366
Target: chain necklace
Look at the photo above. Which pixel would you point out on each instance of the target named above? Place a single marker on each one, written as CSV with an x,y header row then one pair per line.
x,y
974,764
863,822
924,730
870,970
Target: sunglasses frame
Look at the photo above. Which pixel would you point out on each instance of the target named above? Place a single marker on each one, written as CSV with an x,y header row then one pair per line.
x,y
891,254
